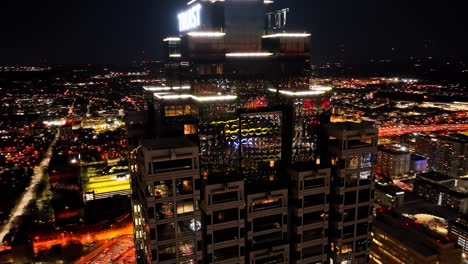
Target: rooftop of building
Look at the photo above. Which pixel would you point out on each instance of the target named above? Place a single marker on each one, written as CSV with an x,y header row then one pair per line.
x,y
417,157
389,189
410,233
391,150
441,188
167,143
459,138
352,126
436,176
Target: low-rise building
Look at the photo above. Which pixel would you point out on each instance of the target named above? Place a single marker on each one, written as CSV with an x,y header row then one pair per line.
x,y
397,239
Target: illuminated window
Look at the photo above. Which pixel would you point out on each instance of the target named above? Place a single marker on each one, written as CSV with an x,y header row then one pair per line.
x,y
184,186
366,160
352,162
163,189
186,248
266,204
347,248
164,210
184,207
167,252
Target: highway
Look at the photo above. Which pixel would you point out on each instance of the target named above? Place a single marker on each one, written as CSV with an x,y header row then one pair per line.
x,y
116,250
401,130
29,194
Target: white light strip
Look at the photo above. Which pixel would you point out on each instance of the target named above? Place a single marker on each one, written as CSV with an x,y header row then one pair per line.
x,y
191,2
296,93
160,88
320,88
287,35
206,34
175,55
164,96
171,39
252,54
268,2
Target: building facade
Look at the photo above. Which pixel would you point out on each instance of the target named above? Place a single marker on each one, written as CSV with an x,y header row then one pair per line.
x,y
353,150
397,239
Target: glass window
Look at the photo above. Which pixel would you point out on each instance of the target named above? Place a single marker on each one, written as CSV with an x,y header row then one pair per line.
x,y
315,217
350,198
171,165
365,177
184,186
267,222
347,248
363,212
164,210
167,252
225,235
266,204
361,245
271,260
186,248
225,215
163,189
352,162
361,229
351,179
366,160
314,183
268,239
225,197
364,195
150,212
188,227
226,253
312,234
184,207
313,251
313,200
349,215
348,232
166,231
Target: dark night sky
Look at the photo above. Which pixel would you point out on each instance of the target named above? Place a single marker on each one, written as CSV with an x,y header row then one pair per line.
x,y
115,31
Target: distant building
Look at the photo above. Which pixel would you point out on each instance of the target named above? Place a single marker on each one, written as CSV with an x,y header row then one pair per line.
x,y
397,239
393,163
458,230
388,195
447,154
418,164
441,191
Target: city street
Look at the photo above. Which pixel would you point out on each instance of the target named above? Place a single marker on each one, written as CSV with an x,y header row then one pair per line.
x,y
29,194
117,250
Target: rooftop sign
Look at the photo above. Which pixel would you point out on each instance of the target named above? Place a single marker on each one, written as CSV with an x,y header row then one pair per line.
x,y
190,19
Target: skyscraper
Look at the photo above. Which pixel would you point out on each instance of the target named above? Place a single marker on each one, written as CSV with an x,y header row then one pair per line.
x,y
354,152
259,166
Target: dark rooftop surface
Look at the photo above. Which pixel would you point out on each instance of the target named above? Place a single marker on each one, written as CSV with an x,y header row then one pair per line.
x,y
168,143
390,189
409,232
436,176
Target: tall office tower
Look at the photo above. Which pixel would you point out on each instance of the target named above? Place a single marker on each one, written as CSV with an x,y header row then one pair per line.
x,y
354,151
165,201
398,239
261,146
309,214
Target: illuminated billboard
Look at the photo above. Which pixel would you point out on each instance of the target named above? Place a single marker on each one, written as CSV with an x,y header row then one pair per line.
x,y
190,19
